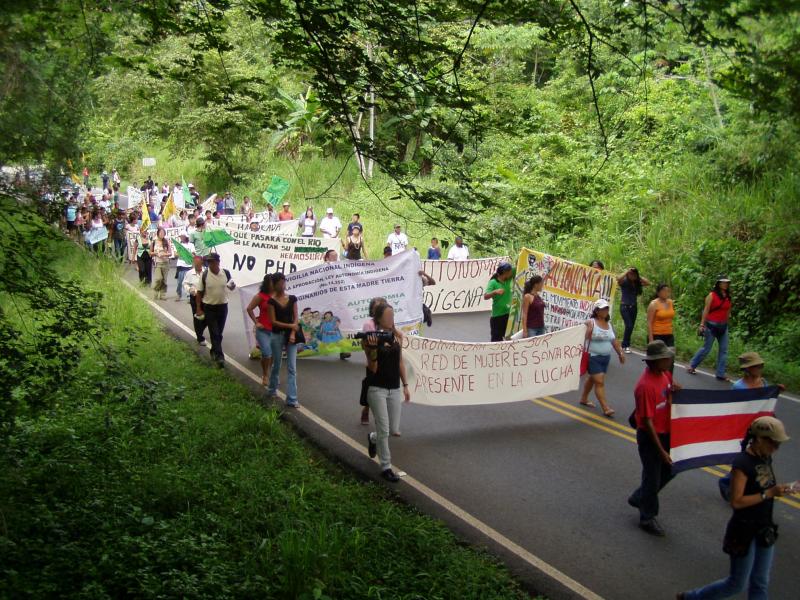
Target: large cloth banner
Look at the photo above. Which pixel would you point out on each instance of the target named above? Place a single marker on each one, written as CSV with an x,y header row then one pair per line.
x,y
569,293
288,228
708,426
131,199
333,300
131,237
254,254
444,373
227,219
459,284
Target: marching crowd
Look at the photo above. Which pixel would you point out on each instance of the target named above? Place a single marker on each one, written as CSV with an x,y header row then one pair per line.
x,y
751,488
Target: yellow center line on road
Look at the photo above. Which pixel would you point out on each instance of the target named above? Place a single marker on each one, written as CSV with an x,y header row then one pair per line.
x,y
605,424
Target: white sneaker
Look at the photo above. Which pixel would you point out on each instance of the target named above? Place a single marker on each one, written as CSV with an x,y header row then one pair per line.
x,y
203,343
626,350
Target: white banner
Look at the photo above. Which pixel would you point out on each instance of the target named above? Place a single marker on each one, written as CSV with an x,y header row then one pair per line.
x,y
459,284
230,219
444,373
254,254
346,288
132,236
287,228
96,234
131,199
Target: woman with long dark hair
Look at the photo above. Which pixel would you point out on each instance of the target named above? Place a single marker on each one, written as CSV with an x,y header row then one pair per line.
x,y
751,532
144,263
602,342
385,373
533,307
162,252
630,285
660,314
263,325
714,326
286,333
499,292
308,223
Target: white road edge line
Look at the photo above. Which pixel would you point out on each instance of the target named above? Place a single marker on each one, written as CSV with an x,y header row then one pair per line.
x,y
443,502
684,366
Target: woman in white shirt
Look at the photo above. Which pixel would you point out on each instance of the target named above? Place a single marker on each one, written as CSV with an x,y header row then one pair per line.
x,y
308,223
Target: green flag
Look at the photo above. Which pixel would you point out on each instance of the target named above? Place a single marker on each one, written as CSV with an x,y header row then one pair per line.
x,y
215,237
187,197
276,191
183,251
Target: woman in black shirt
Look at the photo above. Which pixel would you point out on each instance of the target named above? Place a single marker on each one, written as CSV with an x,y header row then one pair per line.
x,y
286,333
385,372
751,533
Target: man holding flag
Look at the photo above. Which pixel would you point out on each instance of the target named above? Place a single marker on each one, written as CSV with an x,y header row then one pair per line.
x,y
653,394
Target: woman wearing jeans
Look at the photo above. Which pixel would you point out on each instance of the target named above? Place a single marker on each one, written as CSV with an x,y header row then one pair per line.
x,y
630,285
714,326
285,332
751,533
263,326
385,373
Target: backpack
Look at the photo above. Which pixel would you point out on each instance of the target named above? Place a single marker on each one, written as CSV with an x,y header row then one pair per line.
x,y
203,277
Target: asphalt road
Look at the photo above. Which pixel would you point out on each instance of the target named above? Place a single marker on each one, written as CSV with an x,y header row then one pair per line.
x,y
548,475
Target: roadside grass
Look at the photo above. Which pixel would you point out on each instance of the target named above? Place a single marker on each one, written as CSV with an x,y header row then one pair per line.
x,y
158,476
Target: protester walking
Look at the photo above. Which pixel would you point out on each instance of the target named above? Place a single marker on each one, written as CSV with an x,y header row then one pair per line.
x,y
263,325
144,262
653,396
162,252
119,235
385,374
197,238
498,291
369,325
602,342
533,307
354,248
397,240
286,333
212,303
714,326
190,283
308,223
458,251
182,267
630,285
752,366
660,315
434,252
751,532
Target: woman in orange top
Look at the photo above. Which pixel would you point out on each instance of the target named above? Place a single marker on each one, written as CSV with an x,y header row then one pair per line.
x,y
660,314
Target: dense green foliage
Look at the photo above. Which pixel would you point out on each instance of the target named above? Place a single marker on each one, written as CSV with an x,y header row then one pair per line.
x,y
148,473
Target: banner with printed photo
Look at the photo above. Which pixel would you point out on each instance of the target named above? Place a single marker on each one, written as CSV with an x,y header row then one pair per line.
x,y
459,284
445,373
132,236
333,300
569,293
254,254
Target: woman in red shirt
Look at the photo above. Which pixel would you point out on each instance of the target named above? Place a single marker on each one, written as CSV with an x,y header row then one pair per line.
x,y
263,325
714,326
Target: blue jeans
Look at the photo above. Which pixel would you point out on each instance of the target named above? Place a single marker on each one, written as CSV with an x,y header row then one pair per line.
x,y
119,248
534,331
628,313
181,275
713,331
751,570
276,341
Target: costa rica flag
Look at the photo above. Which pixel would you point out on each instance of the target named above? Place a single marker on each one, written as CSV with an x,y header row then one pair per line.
x,y
707,426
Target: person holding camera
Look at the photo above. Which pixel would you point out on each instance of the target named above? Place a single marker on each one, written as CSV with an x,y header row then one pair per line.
x,y
385,374
751,532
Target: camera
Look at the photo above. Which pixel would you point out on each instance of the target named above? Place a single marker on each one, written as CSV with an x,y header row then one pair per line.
x,y
384,337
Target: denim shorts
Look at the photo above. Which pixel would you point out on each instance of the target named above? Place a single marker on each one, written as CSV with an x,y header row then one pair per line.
x,y
263,339
598,363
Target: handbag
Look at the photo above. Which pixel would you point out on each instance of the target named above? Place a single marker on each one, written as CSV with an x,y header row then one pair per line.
x,y
584,362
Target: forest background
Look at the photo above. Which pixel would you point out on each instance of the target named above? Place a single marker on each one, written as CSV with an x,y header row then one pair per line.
x,y
656,133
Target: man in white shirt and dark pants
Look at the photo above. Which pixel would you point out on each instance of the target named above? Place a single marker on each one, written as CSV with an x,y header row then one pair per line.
x,y
397,240
458,251
190,282
330,226
212,301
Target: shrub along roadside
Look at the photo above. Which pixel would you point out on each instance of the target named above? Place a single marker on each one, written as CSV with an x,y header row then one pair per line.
x,y
152,475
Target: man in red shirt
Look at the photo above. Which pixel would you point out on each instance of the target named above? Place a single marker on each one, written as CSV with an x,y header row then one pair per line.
x,y
653,394
285,214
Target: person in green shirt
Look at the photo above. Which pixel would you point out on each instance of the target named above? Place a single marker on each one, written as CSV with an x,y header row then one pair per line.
x,y
499,291
196,238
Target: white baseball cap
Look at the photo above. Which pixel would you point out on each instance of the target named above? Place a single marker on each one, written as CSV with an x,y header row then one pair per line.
x,y
601,304
329,211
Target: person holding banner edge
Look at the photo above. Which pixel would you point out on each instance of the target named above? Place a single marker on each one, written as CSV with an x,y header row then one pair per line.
x,y
286,332
263,326
653,396
386,371
751,533
498,291
533,307
602,341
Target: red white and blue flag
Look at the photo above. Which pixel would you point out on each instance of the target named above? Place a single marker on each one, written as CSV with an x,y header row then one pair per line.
x,y
708,425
